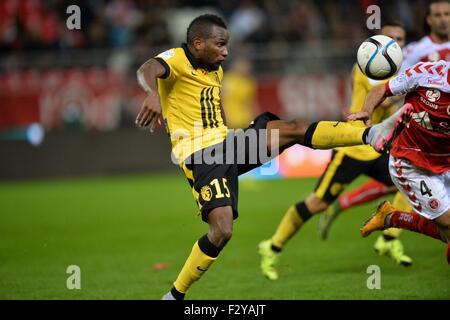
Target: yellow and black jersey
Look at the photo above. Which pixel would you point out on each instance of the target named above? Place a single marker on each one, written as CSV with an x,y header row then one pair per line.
x,y
361,85
190,100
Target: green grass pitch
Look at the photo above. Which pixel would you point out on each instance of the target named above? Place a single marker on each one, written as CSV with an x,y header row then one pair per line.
x,y
116,228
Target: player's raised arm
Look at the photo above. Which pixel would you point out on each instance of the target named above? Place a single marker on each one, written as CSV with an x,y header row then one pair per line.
x,y
404,83
374,98
147,76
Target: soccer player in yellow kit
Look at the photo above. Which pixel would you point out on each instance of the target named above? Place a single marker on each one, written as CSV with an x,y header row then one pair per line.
x,y
346,164
183,85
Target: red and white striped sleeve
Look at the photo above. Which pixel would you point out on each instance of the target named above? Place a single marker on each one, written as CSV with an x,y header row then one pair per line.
x,y
408,80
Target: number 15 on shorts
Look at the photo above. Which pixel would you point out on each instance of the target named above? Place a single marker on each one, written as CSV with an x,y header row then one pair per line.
x,y
221,190
216,189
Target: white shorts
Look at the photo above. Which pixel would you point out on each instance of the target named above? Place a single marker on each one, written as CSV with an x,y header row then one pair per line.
x,y
426,192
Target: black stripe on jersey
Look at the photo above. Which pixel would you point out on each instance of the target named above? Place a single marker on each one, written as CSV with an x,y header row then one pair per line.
x,y
203,109
215,122
209,103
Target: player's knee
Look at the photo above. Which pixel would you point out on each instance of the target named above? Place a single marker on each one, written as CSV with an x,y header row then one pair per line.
x,y
220,235
299,126
220,222
315,204
225,234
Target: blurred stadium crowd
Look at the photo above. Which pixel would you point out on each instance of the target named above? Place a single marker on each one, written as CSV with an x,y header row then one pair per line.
x,y
300,52
41,25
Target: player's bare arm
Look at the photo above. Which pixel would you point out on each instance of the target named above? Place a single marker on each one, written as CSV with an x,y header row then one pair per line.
x,y
389,101
150,111
374,98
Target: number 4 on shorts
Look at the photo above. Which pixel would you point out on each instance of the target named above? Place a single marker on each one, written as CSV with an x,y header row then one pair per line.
x,y
424,190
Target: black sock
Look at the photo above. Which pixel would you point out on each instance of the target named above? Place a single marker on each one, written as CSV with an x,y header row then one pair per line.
x,y
177,294
207,247
303,211
388,238
307,140
366,132
275,248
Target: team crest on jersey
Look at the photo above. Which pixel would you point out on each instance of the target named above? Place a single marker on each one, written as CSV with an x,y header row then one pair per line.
x,y
206,193
434,204
433,95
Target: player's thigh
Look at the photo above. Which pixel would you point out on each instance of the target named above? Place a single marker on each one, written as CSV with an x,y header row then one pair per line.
x,y
251,147
426,192
340,171
380,170
213,186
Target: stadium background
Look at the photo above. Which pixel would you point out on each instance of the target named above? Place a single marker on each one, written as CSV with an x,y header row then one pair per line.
x,y
77,90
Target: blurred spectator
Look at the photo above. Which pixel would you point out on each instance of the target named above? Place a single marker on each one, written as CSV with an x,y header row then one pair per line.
x,y
239,94
281,38
41,25
245,20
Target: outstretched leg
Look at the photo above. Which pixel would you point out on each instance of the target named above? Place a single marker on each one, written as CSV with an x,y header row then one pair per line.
x,y
318,135
333,134
387,217
389,243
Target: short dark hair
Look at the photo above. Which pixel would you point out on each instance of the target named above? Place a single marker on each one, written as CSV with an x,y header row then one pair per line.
x,y
202,25
426,27
430,3
392,23
387,21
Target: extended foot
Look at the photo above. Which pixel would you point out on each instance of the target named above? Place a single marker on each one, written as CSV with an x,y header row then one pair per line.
x,y
392,249
377,220
269,259
382,135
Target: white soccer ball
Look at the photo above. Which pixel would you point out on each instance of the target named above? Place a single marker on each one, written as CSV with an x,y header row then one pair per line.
x,y
379,57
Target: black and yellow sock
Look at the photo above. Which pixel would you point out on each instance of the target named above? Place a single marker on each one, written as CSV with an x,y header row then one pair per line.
x,y
203,254
293,219
333,134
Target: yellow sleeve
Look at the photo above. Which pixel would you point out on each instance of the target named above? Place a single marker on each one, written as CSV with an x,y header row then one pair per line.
x,y
360,89
170,59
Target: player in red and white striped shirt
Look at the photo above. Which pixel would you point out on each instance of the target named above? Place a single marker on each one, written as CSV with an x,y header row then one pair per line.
x,y
420,156
432,47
